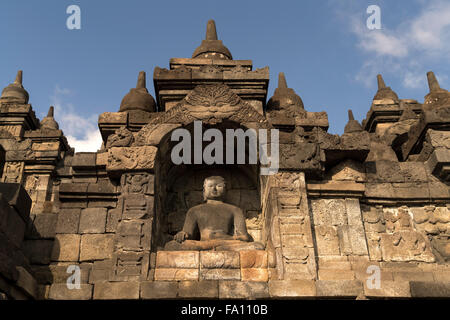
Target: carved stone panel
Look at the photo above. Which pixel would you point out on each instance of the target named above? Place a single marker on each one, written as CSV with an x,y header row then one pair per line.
x,y
137,183
405,234
121,138
406,245
131,158
133,223
13,172
290,227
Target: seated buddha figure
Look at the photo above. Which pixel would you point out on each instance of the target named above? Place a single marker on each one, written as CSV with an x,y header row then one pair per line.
x,y
221,225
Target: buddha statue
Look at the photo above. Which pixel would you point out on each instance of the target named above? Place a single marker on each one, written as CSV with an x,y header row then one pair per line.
x,y
221,225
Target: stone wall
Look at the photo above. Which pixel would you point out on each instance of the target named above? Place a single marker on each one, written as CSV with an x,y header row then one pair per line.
x,y
17,279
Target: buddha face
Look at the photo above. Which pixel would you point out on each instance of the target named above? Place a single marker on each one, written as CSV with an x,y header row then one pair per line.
x,y
214,188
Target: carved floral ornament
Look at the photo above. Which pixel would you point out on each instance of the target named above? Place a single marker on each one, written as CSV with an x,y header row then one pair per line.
x,y
212,96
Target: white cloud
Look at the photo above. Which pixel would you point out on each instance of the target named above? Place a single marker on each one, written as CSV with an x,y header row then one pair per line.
x,y
91,142
408,49
371,67
379,42
82,133
414,80
430,31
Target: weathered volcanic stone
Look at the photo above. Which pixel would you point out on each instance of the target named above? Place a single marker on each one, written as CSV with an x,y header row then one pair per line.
x,y
198,289
220,274
219,259
292,288
253,259
92,220
66,247
177,259
59,291
176,274
389,289
420,289
96,247
68,221
159,290
243,290
116,290
339,288
45,226
38,251
255,274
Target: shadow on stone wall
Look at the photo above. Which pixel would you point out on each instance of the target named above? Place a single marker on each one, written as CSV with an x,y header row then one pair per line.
x,y
18,279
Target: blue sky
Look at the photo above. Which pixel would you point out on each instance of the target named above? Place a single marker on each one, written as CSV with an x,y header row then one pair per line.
x,y
329,56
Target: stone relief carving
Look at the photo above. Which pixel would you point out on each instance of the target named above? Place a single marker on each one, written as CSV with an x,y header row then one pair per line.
x,y
121,138
254,220
435,223
398,234
405,245
133,219
239,69
31,184
212,96
6,134
131,158
211,104
152,134
210,69
347,170
13,130
136,183
13,172
288,181
298,149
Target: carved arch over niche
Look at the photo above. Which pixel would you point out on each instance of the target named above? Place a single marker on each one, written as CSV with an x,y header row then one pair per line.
x,y
217,106
211,103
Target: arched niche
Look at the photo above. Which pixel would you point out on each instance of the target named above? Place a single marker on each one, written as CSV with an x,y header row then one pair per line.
x,y
180,187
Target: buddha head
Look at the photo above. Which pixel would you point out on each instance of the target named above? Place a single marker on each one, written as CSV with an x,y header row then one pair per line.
x,y
214,188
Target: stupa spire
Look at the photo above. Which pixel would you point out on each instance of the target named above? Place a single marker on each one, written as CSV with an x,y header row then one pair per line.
x,y
437,95
15,91
282,83
384,92
380,80
50,112
350,115
18,77
352,125
138,98
212,47
49,122
211,32
284,96
433,84
141,82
